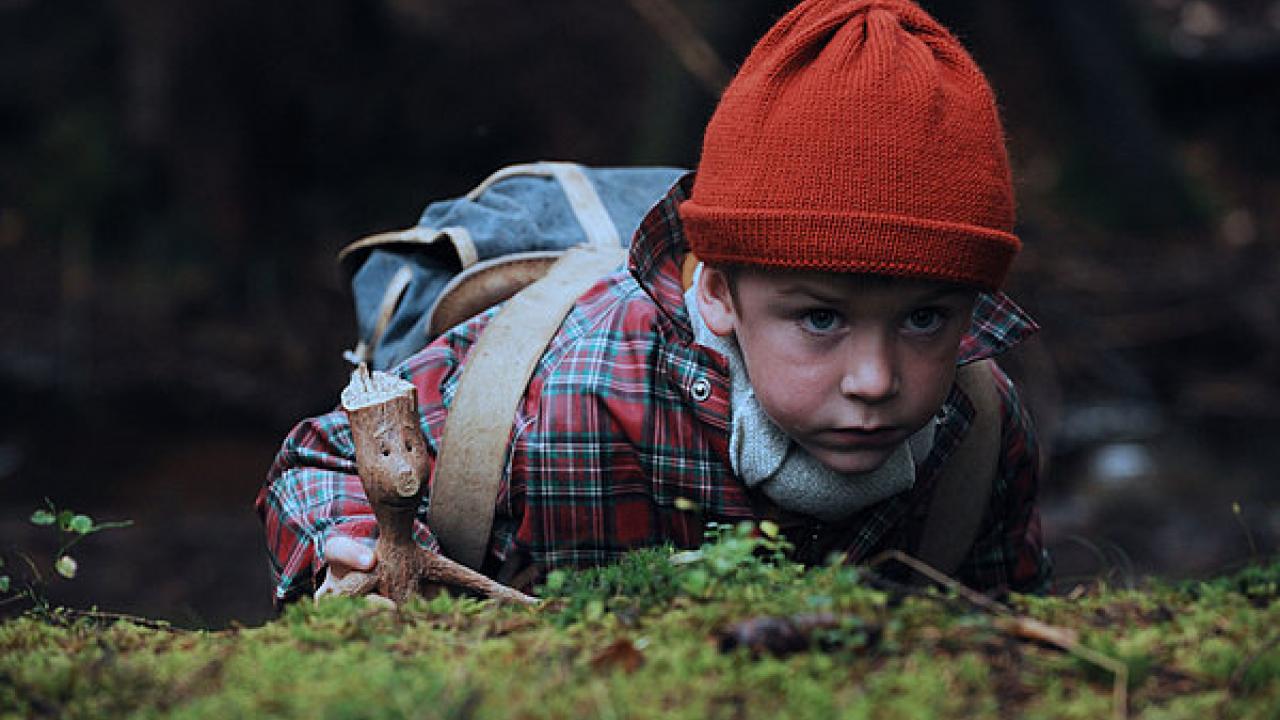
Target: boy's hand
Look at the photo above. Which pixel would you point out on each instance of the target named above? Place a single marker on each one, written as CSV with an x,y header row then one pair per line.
x,y
349,562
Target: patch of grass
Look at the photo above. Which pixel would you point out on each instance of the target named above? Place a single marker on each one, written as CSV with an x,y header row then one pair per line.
x,y
646,638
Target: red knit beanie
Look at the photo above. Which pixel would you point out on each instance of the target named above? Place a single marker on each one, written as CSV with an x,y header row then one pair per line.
x,y
859,136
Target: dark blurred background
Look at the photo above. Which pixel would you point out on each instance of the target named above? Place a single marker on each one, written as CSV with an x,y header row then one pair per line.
x,y
176,179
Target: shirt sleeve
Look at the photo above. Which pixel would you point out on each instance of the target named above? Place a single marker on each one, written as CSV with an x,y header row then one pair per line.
x,y
1010,553
312,490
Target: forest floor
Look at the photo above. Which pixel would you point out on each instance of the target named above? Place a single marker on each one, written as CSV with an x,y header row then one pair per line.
x,y
731,630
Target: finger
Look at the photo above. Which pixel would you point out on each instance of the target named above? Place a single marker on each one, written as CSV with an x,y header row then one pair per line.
x,y
351,584
355,583
380,602
349,553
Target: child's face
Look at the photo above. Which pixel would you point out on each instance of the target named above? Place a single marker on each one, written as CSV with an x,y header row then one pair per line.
x,y
849,366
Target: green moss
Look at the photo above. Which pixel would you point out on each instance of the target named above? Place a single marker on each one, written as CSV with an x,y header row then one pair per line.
x,y
641,640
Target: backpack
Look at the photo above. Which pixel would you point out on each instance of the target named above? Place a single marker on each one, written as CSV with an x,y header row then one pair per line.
x,y
468,253
534,237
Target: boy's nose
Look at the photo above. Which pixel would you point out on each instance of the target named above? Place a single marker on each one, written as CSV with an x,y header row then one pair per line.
x,y
870,375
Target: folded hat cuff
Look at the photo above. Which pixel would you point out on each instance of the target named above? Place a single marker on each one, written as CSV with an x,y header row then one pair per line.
x,y
873,243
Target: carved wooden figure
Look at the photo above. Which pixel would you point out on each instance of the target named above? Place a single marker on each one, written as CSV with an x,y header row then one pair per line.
x,y
391,456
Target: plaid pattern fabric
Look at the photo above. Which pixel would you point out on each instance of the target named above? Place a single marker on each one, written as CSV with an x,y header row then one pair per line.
x,y
611,433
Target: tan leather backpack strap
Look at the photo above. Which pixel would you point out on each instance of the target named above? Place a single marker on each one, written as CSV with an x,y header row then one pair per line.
x,y
587,207
963,488
473,453
458,236
477,434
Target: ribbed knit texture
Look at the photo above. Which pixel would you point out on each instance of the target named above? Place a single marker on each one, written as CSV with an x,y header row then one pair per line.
x,y
858,136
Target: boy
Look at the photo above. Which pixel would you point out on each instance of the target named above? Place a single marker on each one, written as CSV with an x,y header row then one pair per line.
x,y
853,213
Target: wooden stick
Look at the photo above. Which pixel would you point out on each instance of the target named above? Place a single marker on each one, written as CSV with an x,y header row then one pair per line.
x,y
941,578
391,456
690,46
1026,628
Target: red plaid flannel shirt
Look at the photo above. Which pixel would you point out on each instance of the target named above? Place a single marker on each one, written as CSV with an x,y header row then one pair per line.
x,y
609,436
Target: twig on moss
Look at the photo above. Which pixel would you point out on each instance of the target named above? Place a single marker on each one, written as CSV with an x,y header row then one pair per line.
x,y
1023,627
937,576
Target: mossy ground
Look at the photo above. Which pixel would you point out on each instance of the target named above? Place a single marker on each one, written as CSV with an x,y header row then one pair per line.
x,y
644,638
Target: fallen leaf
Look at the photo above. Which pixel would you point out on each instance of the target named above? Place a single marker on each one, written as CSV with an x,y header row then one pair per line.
x,y
778,636
621,654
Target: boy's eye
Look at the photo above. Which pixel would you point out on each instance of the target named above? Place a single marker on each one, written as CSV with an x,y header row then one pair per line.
x,y
820,320
923,321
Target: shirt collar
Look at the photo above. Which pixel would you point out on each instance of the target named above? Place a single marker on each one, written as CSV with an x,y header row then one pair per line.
x,y
997,325
659,247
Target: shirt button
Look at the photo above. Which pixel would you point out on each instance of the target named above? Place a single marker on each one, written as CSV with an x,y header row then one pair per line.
x,y
700,389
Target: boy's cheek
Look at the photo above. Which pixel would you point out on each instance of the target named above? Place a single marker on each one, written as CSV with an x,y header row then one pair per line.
x,y
791,391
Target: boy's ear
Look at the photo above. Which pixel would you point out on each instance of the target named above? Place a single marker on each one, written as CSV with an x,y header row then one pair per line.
x,y
715,301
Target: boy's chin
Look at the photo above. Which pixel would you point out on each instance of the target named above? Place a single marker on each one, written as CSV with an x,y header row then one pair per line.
x,y
853,462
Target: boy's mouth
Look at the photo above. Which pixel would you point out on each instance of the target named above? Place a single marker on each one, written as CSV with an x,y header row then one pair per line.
x,y
861,438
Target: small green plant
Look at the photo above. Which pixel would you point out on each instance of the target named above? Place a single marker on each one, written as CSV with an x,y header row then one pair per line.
x,y
1248,534
744,555
72,527
740,560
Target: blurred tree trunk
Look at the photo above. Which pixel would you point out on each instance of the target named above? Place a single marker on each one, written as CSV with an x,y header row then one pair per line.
x,y
676,106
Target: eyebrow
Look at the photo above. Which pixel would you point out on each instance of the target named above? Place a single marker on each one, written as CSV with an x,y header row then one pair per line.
x,y
944,292
802,289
